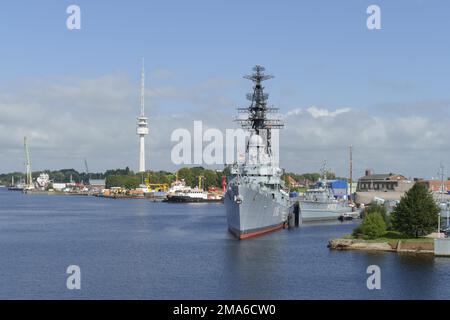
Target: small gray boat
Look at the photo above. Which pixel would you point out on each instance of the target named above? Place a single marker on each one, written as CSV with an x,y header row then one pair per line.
x,y
319,204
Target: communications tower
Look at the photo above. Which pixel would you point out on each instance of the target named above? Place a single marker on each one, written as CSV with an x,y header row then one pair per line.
x,y
142,125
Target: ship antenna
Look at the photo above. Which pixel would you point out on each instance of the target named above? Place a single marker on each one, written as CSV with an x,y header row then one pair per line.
x,y
257,119
324,172
351,173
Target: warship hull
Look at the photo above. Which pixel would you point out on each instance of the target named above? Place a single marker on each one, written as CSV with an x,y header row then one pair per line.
x,y
313,211
255,213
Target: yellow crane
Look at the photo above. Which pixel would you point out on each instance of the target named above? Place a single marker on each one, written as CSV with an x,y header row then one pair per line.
x,y
200,182
156,186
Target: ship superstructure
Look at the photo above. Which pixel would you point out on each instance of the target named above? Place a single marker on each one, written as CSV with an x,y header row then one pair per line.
x,y
255,200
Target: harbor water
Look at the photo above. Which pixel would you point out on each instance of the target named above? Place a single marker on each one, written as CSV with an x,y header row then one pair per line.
x,y
137,249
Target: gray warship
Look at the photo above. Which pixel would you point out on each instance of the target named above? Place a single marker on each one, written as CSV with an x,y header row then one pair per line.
x,y
319,203
255,200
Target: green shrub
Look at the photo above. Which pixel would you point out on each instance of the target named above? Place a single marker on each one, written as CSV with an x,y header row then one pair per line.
x,y
373,225
375,207
394,235
357,231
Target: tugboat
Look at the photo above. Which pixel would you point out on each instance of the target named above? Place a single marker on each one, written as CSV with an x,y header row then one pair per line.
x,y
179,192
255,201
193,195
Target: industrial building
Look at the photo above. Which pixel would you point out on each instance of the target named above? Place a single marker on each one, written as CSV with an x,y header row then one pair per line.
x,y
436,185
384,182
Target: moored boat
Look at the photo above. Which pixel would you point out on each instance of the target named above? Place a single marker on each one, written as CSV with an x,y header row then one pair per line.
x,y
319,204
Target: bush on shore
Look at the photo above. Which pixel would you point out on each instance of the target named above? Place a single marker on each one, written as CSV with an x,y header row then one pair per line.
x,y
375,207
373,226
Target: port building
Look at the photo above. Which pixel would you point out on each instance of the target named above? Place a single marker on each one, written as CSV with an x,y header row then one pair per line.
x,y
436,185
384,182
386,186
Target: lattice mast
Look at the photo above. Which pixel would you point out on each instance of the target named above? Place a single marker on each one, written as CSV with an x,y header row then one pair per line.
x,y
257,119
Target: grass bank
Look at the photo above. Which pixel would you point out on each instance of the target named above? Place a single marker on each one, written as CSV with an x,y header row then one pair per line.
x,y
391,241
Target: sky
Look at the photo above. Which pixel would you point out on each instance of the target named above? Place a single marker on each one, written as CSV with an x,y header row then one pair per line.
x,y
75,93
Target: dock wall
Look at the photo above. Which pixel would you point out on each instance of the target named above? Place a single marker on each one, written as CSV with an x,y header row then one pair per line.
x,y
442,247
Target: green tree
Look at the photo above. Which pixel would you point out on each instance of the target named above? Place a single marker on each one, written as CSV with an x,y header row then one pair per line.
x,y
186,174
131,182
373,225
57,176
311,176
375,207
226,171
417,213
331,175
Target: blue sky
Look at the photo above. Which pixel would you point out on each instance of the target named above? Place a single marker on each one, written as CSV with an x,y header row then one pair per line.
x,y
321,53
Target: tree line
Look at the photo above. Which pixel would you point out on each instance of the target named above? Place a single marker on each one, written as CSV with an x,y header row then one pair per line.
x,y
129,179
63,175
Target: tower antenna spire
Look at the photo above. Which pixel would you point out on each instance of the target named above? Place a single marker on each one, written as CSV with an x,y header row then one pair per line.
x,y
143,89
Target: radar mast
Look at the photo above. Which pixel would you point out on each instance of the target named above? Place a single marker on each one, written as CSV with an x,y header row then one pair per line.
x,y
257,113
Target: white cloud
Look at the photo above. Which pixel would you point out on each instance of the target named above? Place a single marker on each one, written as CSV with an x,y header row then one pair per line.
x,y
293,112
321,112
413,145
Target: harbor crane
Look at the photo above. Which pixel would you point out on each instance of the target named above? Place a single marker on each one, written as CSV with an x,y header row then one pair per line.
x,y
87,170
29,177
155,186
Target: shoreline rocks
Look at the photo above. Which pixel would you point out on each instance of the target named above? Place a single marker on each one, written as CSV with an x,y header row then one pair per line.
x,y
391,246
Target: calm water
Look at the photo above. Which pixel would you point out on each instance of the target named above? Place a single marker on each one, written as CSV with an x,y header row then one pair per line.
x,y
135,249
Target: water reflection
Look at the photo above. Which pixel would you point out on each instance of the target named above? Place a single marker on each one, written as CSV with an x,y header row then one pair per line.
x,y
252,267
